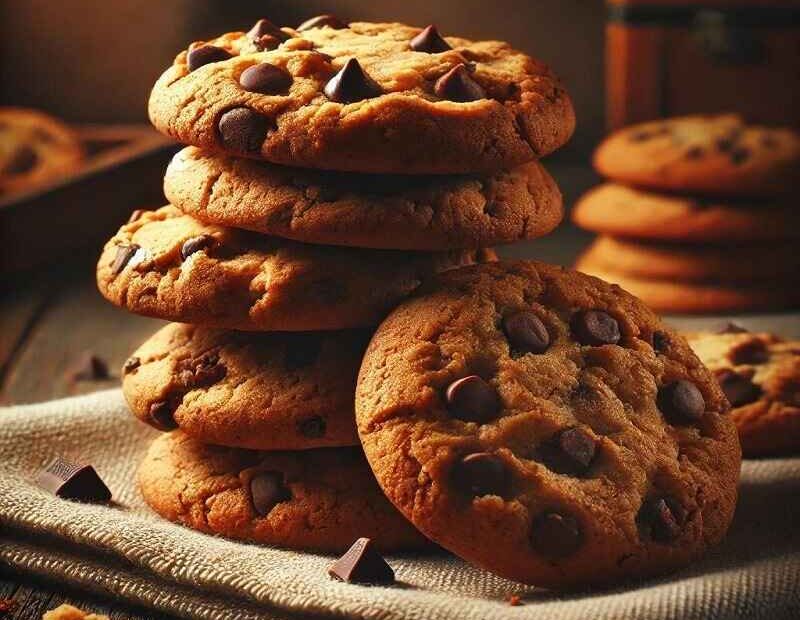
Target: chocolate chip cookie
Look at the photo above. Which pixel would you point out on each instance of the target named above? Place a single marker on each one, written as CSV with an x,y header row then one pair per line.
x,y
614,209
168,265
760,375
363,97
265,391
547,426
707,155
373,211
315,500
34,148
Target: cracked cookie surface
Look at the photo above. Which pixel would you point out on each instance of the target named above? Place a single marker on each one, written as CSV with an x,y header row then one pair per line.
x,y
374,211
168,265
706,155
315,500
545,425
760,375
263,391
282,96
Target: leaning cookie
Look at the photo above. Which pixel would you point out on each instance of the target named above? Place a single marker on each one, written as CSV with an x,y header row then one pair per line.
x,y
371,211
614,209
363,97
264,391
168,265
547,426
708,155
760,375
317,500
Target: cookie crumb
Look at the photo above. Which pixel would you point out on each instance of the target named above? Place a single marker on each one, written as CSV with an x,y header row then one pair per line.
x,y
514,600
68,612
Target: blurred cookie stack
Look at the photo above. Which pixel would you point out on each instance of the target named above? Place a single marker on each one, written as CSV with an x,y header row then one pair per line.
x,y
411,154
698,215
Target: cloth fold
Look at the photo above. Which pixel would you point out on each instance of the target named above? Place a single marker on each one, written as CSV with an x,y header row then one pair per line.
x,y
126,551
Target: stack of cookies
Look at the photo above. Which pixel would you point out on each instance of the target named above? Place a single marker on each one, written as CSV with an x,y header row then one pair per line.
x,y
332,168
698,216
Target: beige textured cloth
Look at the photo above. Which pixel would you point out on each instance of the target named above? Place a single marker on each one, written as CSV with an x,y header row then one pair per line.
x,y
127,552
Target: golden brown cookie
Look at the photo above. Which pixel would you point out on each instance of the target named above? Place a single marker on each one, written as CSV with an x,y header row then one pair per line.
x,y
264,391
34,148
709,155
760,375
363,97
371,211
614,209
547,426
706,297
315,500
744,263
168,265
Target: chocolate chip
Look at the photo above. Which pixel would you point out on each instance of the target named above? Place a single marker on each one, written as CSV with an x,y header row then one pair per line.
x,y
136,215
660,341
570,451
362,564
732,328
430,41
740,155
89,367
472,399
458,85
481,473
265,78
526,333
351,84
242,130
313,427
195,244
322,21
22,160
206,54
662,517
738,389
202,371
267,491
595,328
266,36
162,415
695,152
73,481
131,364
555,535
681,402
123,257
749,351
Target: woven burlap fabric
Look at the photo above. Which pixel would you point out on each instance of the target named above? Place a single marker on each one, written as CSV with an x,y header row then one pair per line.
x,y
126,551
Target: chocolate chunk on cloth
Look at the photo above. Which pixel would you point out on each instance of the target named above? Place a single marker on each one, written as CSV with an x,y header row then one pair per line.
x,y
73,481
362,564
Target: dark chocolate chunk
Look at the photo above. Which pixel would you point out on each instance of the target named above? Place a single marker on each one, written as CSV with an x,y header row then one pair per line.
x,y
681,402
351,84
22,160
526,333
202,371
662,517
322,21
660,341
570,451
458,85
242,130
162,415
738,389
123,257
266,36
267,491
266,79
204,55
595,328
555,535
362,564
73,481
481,473
195,244
131,364
472,399
312,427
430,41
89,367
